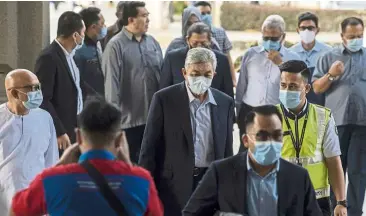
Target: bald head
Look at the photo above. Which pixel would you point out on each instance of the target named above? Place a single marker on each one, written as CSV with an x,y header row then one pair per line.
x,y
20,78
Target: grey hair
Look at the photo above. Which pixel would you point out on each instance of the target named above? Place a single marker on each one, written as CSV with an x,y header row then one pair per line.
x,y
200,55
274,21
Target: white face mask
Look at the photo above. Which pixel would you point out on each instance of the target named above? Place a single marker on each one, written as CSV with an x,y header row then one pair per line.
x,y
307,36
199,85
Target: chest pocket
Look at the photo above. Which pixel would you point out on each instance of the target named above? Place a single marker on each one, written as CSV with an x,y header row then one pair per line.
x,y
152,60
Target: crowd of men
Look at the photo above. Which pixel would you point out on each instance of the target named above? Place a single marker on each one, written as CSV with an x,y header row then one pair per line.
x,y
108,126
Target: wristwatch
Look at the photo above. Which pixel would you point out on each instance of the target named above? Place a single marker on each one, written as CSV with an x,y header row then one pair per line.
x,y
343,203
331,77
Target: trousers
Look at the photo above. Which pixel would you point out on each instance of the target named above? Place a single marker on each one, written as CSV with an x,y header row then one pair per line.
x,y
353,147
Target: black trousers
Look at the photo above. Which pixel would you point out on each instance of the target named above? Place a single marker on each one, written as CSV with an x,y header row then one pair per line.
x,y
352,140
134,138
324,204
244,110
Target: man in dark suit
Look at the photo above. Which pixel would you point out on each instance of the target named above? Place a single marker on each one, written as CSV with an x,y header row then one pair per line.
x,y
198,35
189,126
256,182
60,78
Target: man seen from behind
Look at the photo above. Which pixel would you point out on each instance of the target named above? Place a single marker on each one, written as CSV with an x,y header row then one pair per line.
x,y
68,189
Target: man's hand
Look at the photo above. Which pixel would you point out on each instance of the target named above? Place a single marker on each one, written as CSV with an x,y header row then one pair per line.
x,y
340,211
123,152
336,69
70,155
275,57
63,141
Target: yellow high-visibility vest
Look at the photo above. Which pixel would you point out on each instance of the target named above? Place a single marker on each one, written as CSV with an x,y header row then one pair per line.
x,y
311,152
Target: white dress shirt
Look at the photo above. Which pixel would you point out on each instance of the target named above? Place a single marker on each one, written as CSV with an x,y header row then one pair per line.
x,y
28,145
259,80
75,75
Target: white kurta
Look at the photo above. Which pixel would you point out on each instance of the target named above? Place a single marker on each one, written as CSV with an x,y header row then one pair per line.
x,y
28,145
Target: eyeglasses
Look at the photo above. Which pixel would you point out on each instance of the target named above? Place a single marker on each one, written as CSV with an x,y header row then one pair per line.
x,y
266,136
271,38
34,87
310,28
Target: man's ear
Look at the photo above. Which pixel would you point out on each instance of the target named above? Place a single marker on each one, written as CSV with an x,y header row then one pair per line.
x,y
117,141
245,140
214,74
307,88
14,93
317,31
297,30
284,38
184,72
79,140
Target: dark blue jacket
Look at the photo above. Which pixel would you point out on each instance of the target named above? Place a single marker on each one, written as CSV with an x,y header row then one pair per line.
x,y
88,59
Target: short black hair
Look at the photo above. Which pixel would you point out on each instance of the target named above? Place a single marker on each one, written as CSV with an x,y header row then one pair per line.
x,y
296,66
120,6
90,16
307,16
199,28
99,121
266,110
130,10
353,21
68,23
202,3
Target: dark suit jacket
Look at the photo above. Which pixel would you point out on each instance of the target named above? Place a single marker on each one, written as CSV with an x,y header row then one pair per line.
x,y
224,188
171,72
58,88
167,149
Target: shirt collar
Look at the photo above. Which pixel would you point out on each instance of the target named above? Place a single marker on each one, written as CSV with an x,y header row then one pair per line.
x,y
129,35
292,115
210,98
96,154
67,54
249,167
299,48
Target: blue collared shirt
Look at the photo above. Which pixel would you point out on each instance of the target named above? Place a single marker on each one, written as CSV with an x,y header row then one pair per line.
x,y
259,80
311,57
202,128
262,195
346,96
96,154
75,75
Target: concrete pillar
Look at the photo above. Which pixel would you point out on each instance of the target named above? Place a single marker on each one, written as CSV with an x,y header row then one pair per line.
x,y
24,33
216,12
159,14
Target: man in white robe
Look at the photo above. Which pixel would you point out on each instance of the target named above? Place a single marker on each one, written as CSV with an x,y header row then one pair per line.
x,y
28,142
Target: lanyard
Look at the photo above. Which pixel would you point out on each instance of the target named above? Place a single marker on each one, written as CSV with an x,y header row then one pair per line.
x,y
295,140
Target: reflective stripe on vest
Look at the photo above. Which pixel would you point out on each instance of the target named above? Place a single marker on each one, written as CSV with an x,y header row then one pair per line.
x,y
311,154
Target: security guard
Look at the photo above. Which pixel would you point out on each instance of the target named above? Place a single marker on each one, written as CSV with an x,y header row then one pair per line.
x,y
310,137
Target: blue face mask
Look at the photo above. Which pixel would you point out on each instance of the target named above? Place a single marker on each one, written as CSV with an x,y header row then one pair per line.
x,y
103,33
355,45
271,45
35,99
207,19
78,46
199,85
267,153
290,99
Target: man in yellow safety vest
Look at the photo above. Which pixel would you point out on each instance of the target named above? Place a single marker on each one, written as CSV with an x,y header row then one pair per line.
x,y
310,137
